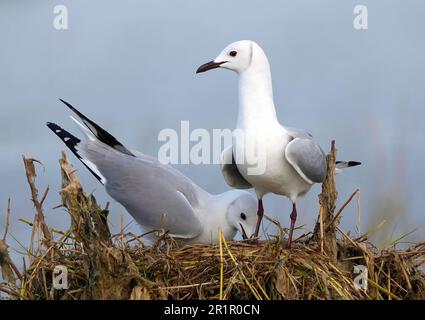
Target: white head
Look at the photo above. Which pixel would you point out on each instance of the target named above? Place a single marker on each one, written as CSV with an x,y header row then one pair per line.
x,y
239,56
241,213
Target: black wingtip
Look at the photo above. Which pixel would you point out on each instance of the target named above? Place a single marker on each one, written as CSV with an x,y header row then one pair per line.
x,y
71,142
99,132
67,104
52,126
353,163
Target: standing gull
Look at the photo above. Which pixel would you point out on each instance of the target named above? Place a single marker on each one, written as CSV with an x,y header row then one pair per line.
x,y
289,159
158,196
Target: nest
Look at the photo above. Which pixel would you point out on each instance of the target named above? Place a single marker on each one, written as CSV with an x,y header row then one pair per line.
x,y
104,266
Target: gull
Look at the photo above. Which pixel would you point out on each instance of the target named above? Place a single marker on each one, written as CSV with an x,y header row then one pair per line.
x,y
156,195
289,159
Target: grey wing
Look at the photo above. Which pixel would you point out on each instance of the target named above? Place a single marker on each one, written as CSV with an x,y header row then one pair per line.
x,y
298,133
307,158
157,196
230,171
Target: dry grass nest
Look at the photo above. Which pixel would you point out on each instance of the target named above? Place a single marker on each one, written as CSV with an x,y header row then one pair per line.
x,y
121,266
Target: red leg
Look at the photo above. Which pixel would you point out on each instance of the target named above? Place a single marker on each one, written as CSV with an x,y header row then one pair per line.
x,y
293,217
260,214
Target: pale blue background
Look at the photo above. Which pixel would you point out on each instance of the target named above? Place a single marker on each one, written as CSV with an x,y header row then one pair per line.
x,y
130,65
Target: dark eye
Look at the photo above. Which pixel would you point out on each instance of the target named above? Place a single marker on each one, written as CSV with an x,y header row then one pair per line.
x,y
233,53
243,216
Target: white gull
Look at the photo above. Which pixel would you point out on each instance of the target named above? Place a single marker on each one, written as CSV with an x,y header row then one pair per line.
x,y
158,196
288,160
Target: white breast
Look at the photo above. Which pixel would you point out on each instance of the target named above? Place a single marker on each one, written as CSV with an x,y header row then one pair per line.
x,y
260,157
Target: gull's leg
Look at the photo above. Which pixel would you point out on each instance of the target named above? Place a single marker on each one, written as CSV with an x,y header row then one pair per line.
x,y
260,214
293,217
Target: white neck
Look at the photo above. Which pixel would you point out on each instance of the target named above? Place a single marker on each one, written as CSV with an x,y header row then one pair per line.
x,y
256,106
216,215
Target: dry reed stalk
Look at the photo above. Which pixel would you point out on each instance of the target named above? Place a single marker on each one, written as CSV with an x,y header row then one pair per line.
x,y
325,226
38,204
9,270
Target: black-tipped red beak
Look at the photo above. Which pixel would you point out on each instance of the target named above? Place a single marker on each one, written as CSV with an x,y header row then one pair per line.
x,y
244,235
209,65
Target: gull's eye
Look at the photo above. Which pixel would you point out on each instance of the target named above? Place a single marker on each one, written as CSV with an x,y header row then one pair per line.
x,y
243,216
233,53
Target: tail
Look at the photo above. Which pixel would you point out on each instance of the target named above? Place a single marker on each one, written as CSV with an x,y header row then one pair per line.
x,y
72,143
345,164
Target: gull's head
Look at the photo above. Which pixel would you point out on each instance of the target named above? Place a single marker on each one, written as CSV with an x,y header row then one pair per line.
x,y
242,213
237,56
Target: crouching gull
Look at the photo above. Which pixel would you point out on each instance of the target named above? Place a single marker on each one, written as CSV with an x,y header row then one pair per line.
x,y
288,160
158,196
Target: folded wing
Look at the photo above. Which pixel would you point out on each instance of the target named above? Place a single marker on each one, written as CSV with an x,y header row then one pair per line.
x,y
307,158
230,171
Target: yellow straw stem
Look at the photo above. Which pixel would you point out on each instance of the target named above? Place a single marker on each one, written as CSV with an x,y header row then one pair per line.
x,y
250,286
220,236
